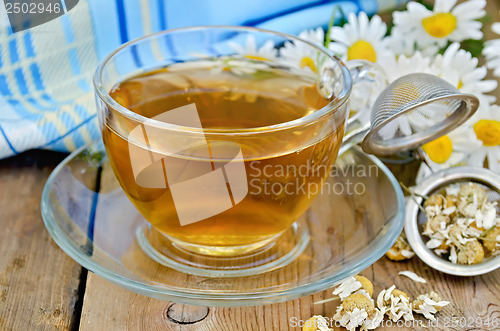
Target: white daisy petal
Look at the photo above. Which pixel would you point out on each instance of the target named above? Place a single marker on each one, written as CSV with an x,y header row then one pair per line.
x,y
360,36
448,21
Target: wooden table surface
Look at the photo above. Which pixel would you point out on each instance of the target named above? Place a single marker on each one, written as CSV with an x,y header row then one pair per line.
x,y
41,288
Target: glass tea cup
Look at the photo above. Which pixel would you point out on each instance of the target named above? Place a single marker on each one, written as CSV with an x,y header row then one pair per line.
x,y
222,136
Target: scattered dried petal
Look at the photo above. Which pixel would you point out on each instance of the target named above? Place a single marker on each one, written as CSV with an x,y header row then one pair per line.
x,y
433,243
413,276
375,317
471,253
348,286
350,320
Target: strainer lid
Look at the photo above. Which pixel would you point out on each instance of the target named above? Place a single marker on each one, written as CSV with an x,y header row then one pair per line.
x,y
413,110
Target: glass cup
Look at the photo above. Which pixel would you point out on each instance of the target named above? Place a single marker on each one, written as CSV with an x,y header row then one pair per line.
x,y
227,176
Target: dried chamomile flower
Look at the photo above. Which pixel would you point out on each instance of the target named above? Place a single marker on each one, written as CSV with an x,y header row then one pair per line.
x,y
365,284
436,223
471,253
456,233
472,198
358,310
357,300
435,200
316,323
433,206
395,304
452,189
428,304
373,320
353,285
351,319
458,221
471,192
492,240
485,217
401,250
451,201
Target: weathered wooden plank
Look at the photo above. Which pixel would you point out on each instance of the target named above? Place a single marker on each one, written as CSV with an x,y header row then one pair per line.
x,y
38,282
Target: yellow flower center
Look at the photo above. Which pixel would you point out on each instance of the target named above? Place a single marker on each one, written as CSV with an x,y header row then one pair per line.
x,y
256,57
488,131
308,62
440,25
460,85
439,150
362,50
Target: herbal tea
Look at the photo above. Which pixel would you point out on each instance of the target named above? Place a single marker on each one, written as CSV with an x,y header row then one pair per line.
x,y
285,168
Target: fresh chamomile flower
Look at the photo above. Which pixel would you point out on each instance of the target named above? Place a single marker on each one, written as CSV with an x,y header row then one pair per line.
x,y
236,65
452,149
302,55
398,66
491,51
486,125
393,67
360,38
402,44
250,50
446,22
459,68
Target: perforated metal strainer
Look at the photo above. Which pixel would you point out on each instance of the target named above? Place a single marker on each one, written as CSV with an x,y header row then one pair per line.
x,y
413,110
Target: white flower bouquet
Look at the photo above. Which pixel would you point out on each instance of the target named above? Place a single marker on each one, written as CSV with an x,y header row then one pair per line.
x,y
444,40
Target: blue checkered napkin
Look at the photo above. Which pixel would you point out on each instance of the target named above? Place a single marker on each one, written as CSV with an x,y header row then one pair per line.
x,y
46,98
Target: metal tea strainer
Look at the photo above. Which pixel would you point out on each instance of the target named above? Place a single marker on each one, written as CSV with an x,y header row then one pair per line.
x,y
413,110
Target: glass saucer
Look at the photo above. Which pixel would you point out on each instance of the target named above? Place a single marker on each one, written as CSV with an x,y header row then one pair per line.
x,y
351,224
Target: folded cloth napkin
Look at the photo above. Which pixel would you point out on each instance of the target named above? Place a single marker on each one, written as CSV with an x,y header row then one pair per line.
x,y
46,97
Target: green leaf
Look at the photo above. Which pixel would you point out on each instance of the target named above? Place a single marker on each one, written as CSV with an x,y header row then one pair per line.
x,y
485,19
427,5
475,47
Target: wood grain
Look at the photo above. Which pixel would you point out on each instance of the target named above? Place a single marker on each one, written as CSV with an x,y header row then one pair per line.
x,y
38,282
474,300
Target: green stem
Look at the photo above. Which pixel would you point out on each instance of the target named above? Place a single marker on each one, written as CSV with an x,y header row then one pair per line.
x,y
330,24
411,192
486,232
413,195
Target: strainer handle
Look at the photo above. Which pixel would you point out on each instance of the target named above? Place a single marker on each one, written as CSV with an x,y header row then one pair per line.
x,y
359,125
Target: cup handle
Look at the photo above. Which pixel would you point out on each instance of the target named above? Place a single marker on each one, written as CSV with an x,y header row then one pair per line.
x,y
365,75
